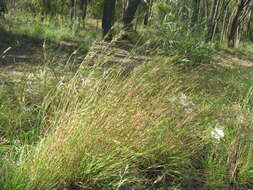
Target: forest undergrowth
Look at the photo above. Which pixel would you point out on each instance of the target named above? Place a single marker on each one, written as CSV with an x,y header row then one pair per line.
x,y
180,120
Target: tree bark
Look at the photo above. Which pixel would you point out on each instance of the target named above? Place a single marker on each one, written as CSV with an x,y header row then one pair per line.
x,y
223,35
108,18
129,13
244,7
249,27
47,7
3,8
72,9
83,5
148,12
216,11
195,13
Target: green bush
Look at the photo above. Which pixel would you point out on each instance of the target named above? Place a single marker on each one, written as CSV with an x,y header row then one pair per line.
x,y
176,37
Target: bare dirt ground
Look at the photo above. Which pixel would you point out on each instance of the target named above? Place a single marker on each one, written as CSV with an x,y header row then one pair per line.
x,y
20,54
119,54
235,58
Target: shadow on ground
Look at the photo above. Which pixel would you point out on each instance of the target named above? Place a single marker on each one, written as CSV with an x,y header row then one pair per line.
x,y
25,49
244,55
16,49
235,58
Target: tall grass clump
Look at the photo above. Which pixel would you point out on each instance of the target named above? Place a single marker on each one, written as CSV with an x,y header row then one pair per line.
x,y
228,161
22,95
111,132
156,129
24,91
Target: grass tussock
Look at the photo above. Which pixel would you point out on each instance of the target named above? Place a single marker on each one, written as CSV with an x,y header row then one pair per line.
x,y
153,129
159,127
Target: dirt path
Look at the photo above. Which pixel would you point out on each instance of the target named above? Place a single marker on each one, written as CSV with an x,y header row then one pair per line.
x,y
235,58
21,56
118,54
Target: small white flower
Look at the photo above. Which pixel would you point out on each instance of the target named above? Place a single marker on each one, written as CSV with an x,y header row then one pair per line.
x,y
182,96
3,140
183,100
217,133
173,99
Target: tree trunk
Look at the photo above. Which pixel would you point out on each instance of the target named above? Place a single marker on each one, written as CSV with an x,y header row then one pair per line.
x,y
195,13
129,13
108,18
249,27
148,12
3,8
224,25
216,8
83,5
244,7
123,2
47,7
233,32
72,9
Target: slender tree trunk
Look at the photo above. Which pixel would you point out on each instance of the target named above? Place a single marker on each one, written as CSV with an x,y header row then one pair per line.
x,y
137,21
195,12
129,13
243,9
3,8
206,8
249,27
72,9
62,7
108,18
215,15
124,4
83,5
238,35
146,16
148,12
233,32
46,6
219,8
224,25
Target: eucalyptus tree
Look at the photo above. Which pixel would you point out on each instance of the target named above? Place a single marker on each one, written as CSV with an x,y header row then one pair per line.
x,y
108,18
244,8
72,4
214,17
3,7
148,5
78,9
129,13
46,7
224,20
83,7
